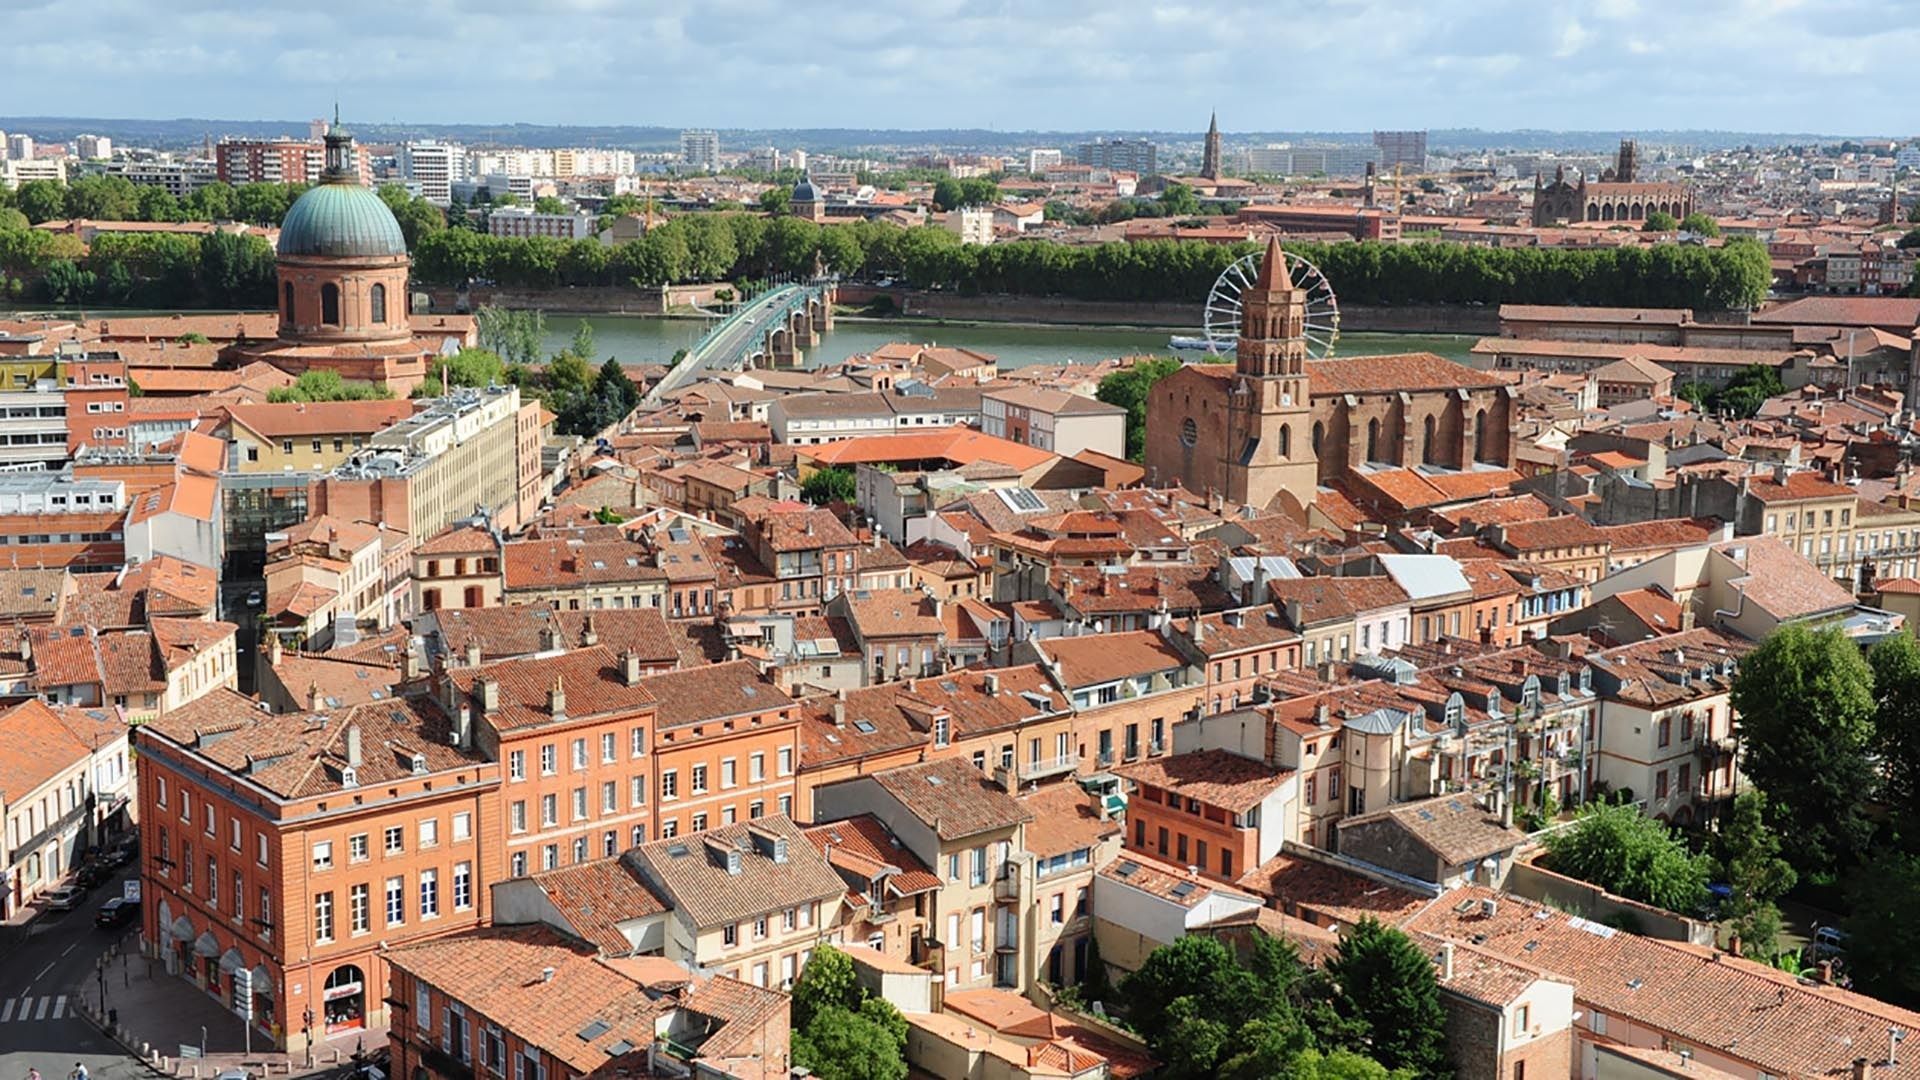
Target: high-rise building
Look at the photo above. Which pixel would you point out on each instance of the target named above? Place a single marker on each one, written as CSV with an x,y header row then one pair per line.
x,y
1039,161
1210,157
278,161
1131,155
93,147
1408,148
435,166
700,150
19,148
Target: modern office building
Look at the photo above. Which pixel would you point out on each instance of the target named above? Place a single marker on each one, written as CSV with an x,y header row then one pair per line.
x,y
1408,148
1132,155
700,150
435,166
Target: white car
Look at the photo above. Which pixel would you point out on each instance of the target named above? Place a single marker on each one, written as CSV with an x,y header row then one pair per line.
x,y
65,898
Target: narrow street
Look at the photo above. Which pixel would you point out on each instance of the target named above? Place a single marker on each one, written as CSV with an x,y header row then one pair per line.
x,y
42,982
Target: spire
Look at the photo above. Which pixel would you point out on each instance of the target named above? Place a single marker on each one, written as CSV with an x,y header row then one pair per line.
x,y
1274,262
1213,123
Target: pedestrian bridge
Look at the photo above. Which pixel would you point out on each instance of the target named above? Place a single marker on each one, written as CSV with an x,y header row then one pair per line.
x,y
773,329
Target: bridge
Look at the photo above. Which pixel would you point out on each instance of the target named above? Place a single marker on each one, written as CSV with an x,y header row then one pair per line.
x,y
771,330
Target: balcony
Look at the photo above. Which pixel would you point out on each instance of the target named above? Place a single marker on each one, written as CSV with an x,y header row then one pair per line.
x,y
1053,766
1716,750
1009,886
1105,759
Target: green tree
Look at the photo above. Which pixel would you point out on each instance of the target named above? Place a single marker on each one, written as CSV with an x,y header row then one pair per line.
x,y
1178,200
517,335
773,201
213,202
193,337
159,204
1128,388
1758,876
569,373
839,1031
103,198
1333,1065
1700,224
1388,985
473,367
1749,389
826,982
829,485
66,283
1695,391
1805,703
1883,947
41,200
323,385
1615,846
417,216
582,343
1660,221
1896,690
547,204
262,203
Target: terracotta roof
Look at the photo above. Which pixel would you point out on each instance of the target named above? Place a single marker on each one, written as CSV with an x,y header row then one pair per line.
x,y
179,641
460,540
1215,777
336,683
1547,534
805,530
593,679
1762,1017
1300,884
1162,880
1799,485
863,846
1100,658
559,564
958,445
712,693
1321,599
316,418
1664,533
886,613
690,872
517,630
1781,580
1066,818
1392,374
1451,826
39,748
595,897
31,594
951,797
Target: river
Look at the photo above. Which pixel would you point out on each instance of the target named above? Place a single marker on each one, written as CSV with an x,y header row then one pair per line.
x,y
638,339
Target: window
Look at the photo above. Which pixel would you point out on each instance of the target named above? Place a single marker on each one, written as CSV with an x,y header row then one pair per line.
x,y
430,832
377,303
323,855
549,811
396,901
669,785
519,864
330,304
730,935
396,839
357,847
1663,731
547,764
462,826
756,768
429,894
977,929
1660,784
516,765
608,747
462,886
550,856
579,754
323,917
786,761
728,777
233,834
1058,909
359,915
609,797
517,816
699,779
638,794
637,738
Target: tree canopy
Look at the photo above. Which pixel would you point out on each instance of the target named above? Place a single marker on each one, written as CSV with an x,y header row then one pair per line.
x,y
829,485
1128,388
1615,846
1757,875
839,1031
1388,986
325,385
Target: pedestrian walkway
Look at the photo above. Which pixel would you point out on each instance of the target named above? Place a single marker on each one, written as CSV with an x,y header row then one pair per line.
x,y
32,1008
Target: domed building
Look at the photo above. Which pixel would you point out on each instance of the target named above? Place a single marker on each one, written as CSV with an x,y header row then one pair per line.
x,y
343,266
806,201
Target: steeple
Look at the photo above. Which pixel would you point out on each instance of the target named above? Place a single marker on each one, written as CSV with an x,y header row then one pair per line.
x,y
1273,321
1210,157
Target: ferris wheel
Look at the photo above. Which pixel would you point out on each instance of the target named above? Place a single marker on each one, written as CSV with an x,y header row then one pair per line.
x,y
1223,305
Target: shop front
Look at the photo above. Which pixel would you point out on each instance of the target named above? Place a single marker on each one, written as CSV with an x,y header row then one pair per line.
x,y
345,1000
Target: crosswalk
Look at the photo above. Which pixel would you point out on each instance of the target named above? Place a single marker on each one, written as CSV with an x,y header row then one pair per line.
x,y
30,1008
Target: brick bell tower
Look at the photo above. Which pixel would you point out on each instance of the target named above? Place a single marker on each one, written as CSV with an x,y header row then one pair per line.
x,y
1269,446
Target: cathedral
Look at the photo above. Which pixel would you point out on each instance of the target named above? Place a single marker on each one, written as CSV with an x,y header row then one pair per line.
x,y
1275,425
1619,194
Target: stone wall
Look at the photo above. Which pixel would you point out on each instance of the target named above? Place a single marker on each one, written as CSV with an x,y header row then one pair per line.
x,y
1592,902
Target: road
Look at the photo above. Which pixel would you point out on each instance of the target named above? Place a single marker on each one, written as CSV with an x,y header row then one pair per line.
x,y
732,341
43,979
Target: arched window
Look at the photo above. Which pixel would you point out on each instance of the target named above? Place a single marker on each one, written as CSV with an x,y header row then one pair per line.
x,y
1286,440
1480,435
1426,443
377,301
1606,212
1593,211
1373,440
330,304
286,292
1319,432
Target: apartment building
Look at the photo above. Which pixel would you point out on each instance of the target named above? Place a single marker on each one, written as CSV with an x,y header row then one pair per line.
x,y
1054,420
900,633
278,161
332,570
726,747
1126,690
1233,649
63,789
303,436
58,519
1664,731
300,847
1338,618
813,419
750,901
1218,813
138,673
459,568
434,166
968,829
811,555
888,887
578,575
524,221
1072,835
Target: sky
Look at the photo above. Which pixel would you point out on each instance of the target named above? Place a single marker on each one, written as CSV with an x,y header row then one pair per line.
x,y
1821,66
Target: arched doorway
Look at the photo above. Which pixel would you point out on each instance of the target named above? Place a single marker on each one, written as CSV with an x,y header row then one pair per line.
x,y
1593,211
345,998
1606,212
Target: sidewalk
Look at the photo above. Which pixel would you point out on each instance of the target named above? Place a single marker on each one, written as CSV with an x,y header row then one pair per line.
x,y
153,1013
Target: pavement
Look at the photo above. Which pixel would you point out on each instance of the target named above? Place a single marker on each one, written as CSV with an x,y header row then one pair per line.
x,y
53,976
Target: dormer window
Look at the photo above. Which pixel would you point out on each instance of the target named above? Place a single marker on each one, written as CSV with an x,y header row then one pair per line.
x,y
940,730
733,862
419,765
1456,711
1586,680
349,777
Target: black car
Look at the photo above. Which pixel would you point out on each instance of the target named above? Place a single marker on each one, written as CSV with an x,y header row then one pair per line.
x,y
116,912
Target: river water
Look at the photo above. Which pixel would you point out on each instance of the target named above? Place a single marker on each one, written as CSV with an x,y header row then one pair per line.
x,y
641,339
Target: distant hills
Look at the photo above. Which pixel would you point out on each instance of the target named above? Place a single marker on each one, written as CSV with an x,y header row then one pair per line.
x,y
187,132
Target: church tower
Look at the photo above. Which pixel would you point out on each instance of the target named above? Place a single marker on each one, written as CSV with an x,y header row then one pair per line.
x,y
1210,160
1269,448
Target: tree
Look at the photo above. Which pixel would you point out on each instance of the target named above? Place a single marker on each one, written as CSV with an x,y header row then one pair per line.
x,y
1388,985
569,373
829,485
325,385
41,200
839,1031
826,982
517,335
1178,200
417,216
1660,221
1695,391
1805,703
1896,690
193,337
1615,846
1758,876
773,201
473,367
582,343
66,283
1700,224
1128,388
1749,389
1883,946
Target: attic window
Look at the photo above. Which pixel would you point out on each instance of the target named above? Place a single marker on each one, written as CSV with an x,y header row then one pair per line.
x,y
864,727
594,1030
1126,868
1183,890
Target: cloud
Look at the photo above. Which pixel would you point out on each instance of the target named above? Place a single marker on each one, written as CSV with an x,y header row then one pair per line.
x,y
1267,65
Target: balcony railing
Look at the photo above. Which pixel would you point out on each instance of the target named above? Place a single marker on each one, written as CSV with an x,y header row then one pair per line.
x,y
1105,759
1053,766
1712,749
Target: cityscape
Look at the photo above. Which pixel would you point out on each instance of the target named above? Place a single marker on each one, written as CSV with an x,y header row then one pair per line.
x,y
916,556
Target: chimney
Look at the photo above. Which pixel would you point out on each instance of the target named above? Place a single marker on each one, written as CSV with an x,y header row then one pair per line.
x,y
557,700
590,636
546,974
1862,1068
1199,625
313,697
991,683
840,707
1824,973
353,745
1733,944
488,691
1323,713
549,636
1446,961
630,666
1687,617
473,653
463,729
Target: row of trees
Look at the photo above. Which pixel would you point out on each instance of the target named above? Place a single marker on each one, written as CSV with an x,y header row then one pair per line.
x,y
1373,1011
162,270
714,247
115,198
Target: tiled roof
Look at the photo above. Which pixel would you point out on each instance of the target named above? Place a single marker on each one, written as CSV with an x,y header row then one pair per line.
x,y
516,630
959,445
460,540
1546,534
1393,374
885,613
1215,777
1329,598
593,679
1100,658
178,641
1799,485
1663,533
1451,826
1066,818
863,846
595,897
1754,1014
690,872
1299,884
1162,880
1781,580
713,692
30,593
952,797
39,748
567,563
1228,632
805,530
335,683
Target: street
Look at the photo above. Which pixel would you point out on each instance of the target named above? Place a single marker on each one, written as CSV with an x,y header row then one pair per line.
x,y
42,980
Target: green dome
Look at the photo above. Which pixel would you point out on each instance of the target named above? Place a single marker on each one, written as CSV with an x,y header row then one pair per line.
x,y
342,219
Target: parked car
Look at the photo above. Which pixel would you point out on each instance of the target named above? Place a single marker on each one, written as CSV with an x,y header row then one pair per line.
x,y
234,1074
123,852
1829,941
116,912
92,874
65,898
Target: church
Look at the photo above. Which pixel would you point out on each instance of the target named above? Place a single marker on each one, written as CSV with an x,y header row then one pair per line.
x,y
343,266
1619,194
1274,426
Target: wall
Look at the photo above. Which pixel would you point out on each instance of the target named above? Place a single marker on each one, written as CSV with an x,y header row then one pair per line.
x,y
1589,901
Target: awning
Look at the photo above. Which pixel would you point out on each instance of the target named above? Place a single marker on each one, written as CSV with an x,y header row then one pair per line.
x,y
204,945
182,929
263,981
166,918
231,961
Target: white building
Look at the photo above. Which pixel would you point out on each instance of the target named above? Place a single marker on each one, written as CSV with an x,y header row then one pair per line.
x,y
700,150
179,178
592,162
59,800
19,147
93,147
20,171
434,166
1039,161
525,221
973,224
